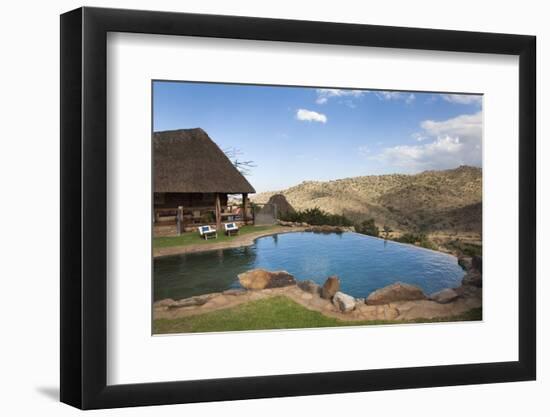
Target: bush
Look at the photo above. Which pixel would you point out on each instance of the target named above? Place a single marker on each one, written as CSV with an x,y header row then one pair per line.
x,y
419,239
316,217
368,227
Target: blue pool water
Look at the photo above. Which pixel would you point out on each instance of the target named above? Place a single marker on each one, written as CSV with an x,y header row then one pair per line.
x,y
363,264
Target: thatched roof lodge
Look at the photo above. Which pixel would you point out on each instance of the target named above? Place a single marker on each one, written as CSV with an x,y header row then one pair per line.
x,y
193,174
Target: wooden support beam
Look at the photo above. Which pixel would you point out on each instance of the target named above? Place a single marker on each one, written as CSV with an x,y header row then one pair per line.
x,y
179,221
245,208
218,213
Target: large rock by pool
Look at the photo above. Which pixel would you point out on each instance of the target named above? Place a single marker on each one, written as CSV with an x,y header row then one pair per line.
x,y
259,279
309,286
477,263
330,287
472,277
473,267
395,292
344,302
444,296
465,262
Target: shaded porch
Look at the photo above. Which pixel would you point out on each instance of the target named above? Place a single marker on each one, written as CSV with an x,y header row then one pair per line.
x,y
176,213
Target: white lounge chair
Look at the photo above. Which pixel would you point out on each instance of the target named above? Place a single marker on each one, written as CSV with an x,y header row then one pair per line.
x,y
208,232
231,228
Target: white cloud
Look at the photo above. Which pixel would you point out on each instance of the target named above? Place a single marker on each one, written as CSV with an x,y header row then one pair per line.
x,y
454,142
347,96
419,136
462,98
466,125
395,95
444,152
310,116
323,94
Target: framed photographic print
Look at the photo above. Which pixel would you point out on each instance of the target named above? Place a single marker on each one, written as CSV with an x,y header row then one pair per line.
x,y
258,207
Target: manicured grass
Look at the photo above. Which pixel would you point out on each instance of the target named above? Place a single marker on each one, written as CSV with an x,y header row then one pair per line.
x,y
273,313
193,238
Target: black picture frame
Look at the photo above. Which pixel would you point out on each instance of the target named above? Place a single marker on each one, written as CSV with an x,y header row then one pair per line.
x,y
84,207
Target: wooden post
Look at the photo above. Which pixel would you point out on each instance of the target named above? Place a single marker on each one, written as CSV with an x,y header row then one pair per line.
x,y
179,221
218,213
245,208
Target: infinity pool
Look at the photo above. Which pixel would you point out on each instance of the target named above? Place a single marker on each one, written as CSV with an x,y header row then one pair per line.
x,y
363,264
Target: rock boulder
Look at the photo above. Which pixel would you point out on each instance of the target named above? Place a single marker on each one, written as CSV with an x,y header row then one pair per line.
x,y
309,286
344,302
465,262
468,291
259,279
283,206
330,287
395,292
166,302
472,277
476,263
285,223
444,296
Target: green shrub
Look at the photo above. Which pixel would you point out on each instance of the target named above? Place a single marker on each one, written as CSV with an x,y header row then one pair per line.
x,y
368,227
316,217
419,239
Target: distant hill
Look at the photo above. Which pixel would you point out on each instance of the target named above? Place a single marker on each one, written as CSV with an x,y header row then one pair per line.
x,y
433,201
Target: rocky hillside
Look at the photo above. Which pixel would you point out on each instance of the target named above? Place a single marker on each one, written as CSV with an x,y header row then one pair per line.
x,y
433,201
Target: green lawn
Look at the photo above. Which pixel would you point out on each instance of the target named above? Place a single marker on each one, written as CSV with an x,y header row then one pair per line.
x,y
193,238
273,313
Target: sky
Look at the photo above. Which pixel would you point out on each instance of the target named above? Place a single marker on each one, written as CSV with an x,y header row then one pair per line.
x,y
296,134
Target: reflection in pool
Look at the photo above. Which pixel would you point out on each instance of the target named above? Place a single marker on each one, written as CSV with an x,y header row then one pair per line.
x,y
363,264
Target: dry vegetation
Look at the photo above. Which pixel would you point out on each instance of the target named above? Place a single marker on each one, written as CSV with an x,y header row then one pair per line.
x,y
446,204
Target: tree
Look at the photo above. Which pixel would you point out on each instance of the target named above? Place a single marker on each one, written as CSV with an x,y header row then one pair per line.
x,y
244,167
386,229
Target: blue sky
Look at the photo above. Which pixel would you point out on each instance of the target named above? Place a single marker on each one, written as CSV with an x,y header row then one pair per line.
x,y
296,134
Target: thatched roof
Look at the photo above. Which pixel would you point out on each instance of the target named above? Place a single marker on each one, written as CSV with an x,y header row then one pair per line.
x,y
188,161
